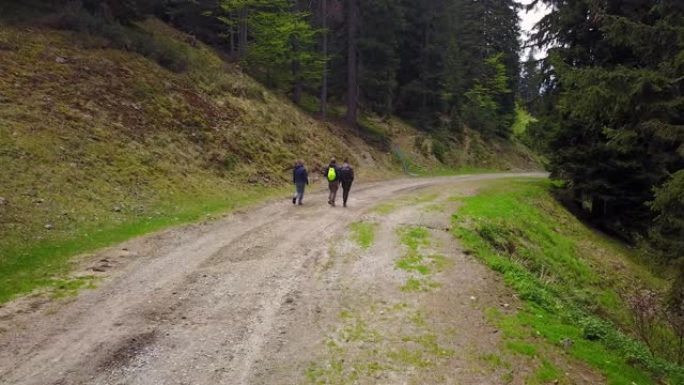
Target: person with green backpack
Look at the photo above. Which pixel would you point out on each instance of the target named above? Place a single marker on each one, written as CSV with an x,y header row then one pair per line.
x,y
331,173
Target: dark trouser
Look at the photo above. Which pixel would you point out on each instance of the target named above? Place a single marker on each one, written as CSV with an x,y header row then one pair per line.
x,y
346,186
333,186
299,194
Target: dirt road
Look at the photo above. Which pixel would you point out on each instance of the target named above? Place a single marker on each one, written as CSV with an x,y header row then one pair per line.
x,y
277,295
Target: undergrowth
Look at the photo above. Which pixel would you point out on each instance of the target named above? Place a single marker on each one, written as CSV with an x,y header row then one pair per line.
x,y
569,277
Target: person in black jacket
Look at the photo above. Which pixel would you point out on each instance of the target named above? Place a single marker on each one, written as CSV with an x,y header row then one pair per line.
x,y
346,177
300,178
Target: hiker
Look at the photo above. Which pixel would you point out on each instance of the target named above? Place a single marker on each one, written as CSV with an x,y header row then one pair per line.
x,y
300,178
333,182
346,177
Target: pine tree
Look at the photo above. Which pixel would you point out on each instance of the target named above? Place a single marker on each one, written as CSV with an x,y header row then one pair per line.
x,y
617,116
422,76
529,88
483,110
352,62
382,22
276,36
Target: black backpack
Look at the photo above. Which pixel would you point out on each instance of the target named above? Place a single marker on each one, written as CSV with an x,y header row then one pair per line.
x,y
345,174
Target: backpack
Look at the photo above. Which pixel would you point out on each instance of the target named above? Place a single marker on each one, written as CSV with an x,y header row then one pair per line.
x,y
345,174
332,174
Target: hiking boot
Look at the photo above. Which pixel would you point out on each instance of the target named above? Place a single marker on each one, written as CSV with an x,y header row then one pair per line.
x,y
300,203
294,200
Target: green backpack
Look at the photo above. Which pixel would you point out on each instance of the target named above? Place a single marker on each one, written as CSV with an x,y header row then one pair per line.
x,y
332,175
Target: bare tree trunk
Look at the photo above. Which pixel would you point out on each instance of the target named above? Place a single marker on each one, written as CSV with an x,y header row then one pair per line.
x,y
424,71
296,65
324,82
242,32
296,74
232,35
352,64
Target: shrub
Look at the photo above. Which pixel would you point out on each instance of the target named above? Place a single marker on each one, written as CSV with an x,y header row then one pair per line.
x,y
165,51
659,323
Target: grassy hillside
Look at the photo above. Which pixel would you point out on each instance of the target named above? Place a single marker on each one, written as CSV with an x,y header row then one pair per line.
x,y
102,139
576,284
98,144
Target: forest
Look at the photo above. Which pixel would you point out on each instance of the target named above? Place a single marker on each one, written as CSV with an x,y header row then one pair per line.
x,y
438,64
608,97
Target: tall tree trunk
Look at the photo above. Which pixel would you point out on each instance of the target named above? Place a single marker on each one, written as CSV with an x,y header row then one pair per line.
x,y
242,32
352,64
296,74
324,81
296,65
425,70
232,35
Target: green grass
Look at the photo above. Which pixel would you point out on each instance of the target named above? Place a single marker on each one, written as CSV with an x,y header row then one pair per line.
x,y
26,267
454,171
545,374
385,208
389,207
418,285
70,287
412,165
413,262
363,233
414,237
564,272
421,267
375,340
523,348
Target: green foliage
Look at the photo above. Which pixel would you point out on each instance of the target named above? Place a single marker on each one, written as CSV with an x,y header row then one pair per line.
x,y
522,120
271,48
379,39
123,11
481,110
165,51
280,37
613,102
666,237
667,234
564,273
417,59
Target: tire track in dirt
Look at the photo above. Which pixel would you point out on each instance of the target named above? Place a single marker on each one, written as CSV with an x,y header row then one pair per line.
x,y
201,304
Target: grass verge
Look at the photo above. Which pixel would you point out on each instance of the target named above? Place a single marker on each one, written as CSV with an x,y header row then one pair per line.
x,y
25,267
569,277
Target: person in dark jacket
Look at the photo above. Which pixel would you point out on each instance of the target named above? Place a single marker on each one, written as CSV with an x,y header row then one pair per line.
x,y
300,178
331,174
346,177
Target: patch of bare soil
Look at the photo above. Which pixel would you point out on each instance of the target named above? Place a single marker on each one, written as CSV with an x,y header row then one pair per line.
x,y
279,295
